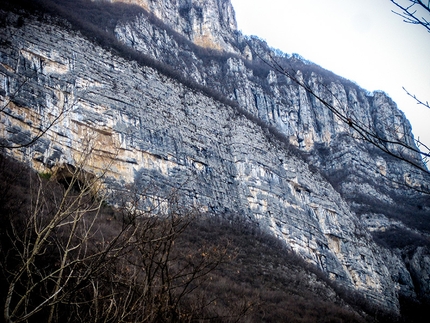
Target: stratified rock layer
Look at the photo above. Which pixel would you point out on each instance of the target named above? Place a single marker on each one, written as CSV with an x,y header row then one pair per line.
x,y
152,132
207,23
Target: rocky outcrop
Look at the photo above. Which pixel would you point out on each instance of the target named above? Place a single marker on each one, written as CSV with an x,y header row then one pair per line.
x,y
148,130
207,23
419,265
241,76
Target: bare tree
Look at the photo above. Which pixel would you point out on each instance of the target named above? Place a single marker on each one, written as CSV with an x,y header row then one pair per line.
x,y
64,256
417,100
59,226
160,280
397,144
414,12
406,148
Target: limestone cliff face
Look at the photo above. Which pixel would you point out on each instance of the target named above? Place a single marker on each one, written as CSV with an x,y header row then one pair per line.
x,y
362,174
241,76
153,132
207,23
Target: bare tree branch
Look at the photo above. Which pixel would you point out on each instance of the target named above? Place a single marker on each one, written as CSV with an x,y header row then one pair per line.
x,y
411,13
419,102
42,129
401,149
61,256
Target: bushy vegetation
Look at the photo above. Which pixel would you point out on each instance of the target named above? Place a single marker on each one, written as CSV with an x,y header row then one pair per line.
x,y
128,267
410,208
398,238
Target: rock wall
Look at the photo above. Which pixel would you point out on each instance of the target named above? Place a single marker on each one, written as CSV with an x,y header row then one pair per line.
x,y
365,176
156,134
241,76
207,23
148,130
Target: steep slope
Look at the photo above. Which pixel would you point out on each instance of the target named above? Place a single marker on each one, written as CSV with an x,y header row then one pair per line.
x,y
258,279
384,191
149,130
206,23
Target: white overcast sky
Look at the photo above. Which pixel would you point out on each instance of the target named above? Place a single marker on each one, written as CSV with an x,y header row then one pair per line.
x,y
361,40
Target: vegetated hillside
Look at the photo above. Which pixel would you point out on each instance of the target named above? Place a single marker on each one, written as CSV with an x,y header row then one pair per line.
x,y
198,268
97,22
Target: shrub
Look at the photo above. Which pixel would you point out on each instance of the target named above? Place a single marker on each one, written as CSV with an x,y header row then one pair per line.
x,y
220,269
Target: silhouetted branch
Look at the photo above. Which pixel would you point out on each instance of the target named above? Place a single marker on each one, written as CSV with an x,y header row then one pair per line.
x,y
402,150
419,102
410,13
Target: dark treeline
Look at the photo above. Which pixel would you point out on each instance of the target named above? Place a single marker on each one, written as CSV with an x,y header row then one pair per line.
x,y
233,271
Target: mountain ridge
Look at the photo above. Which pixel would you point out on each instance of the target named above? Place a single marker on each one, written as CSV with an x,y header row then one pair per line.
x,y
261,184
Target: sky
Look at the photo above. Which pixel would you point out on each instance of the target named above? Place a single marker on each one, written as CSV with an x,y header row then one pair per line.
x,y
361,40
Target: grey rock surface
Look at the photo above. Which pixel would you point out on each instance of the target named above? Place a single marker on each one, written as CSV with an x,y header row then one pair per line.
x,y
207,23
153,132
